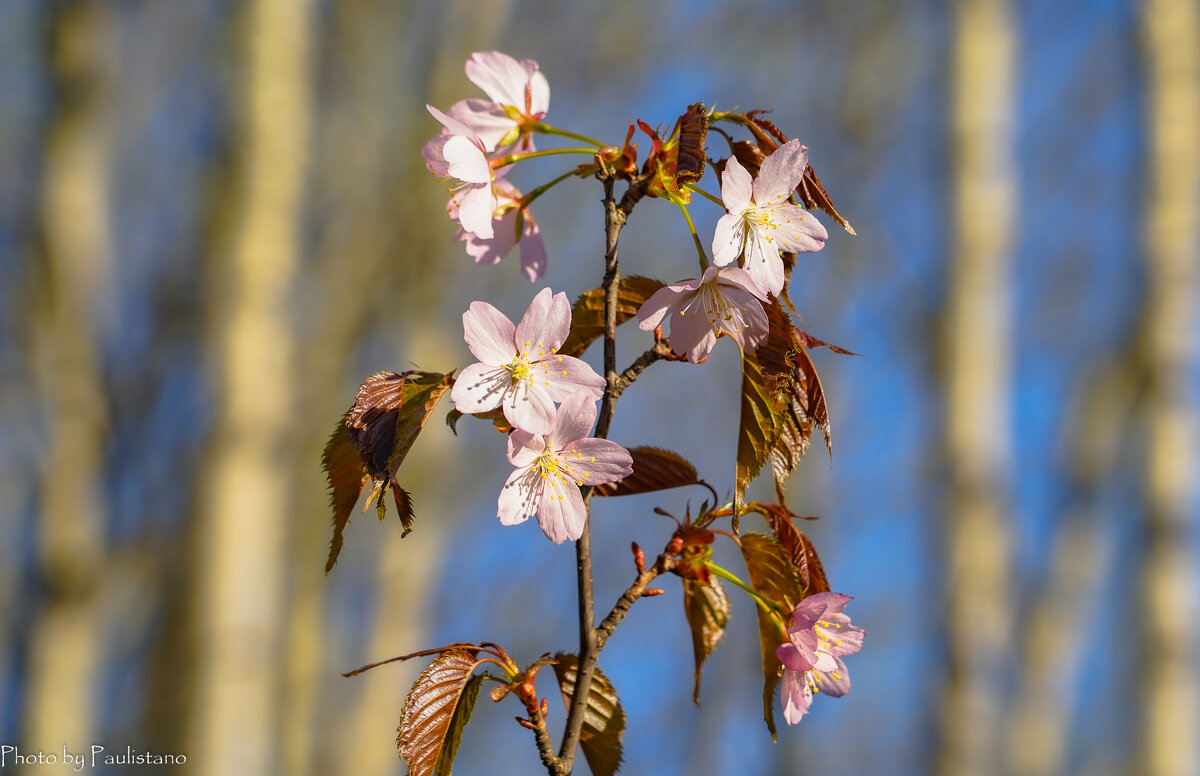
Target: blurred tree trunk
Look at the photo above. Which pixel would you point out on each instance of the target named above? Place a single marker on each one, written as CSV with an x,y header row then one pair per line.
x,y
246,499
978,358
1168,613
67,639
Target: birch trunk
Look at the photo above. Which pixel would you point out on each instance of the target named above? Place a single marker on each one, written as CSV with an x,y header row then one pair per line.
x,y
67,644
246,504
978,361
1169,609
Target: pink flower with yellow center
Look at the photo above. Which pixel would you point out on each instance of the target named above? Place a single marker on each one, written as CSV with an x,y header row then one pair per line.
x,y
724,300
819,636
551,468
519,367
762,221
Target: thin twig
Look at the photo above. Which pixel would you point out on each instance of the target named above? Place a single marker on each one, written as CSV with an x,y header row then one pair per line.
x,y
544,743
660,351
615,216
662,565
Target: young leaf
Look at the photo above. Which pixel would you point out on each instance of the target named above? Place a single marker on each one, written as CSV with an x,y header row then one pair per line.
x,y
782,399
693,127
800,548
587,316
388,413
496,416
435,712
653,469
604,720
775,578
707,609
346,476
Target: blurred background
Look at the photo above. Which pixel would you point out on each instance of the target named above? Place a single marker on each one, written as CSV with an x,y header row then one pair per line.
x,y
215,223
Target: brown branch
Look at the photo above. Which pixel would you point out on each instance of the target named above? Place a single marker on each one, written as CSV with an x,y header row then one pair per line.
x,y
660,351
614,220
662,565
541,734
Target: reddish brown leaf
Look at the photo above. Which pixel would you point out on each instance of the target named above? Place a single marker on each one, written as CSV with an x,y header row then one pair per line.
x,y
775,579
587,316
435,712
748,155
388,414
653,469
800,548
707,609
345,473
782,400
693,128
604,720
496,416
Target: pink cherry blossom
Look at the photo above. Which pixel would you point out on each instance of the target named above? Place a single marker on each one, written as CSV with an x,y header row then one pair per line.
x,y
762,220
458,153
723,300
819,636
514,88
551,469
519,368
515,227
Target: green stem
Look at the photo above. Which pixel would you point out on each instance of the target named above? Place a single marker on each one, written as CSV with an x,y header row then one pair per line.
x,y
528,199
695,237
546,129
511,158
758,599
705,194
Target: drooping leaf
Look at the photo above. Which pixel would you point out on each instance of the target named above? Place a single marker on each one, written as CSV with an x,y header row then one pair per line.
x,y
707,609
496,416
653,469
345,473
800,548
693,128
774,577
782,400
388,414
603,721
587,316
435,712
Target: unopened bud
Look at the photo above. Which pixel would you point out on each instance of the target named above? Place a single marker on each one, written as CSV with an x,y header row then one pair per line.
x,y
639,557
545,708
650,592
525,723
675,546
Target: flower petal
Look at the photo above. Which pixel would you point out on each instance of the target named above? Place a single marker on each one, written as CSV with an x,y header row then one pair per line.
x,y
485,120
489,334
597,461
524,448
567,375
691,333
653,310
501,77
574,419
834,680
539,93
561,513
480,387
792,658
780,174
797,696
476,206
435,160
764,264
736,190
520,497
545,325
529,407
729,239
492,251
798,231
466,159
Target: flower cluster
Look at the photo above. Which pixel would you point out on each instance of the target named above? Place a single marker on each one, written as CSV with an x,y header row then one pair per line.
x,y
819,636
476,136
520,371
760,222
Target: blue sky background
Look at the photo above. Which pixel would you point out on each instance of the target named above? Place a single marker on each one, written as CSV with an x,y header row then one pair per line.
x,y
864,85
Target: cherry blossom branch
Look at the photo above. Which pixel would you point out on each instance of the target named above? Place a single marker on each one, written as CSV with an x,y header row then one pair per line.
x,y
541,734
662,565
661,351
615,216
